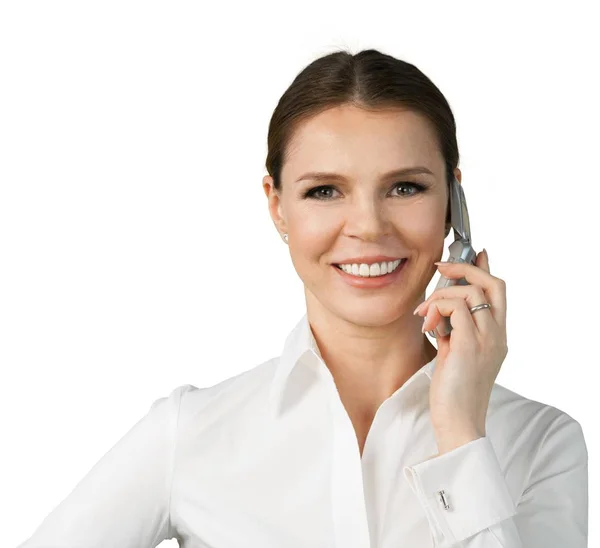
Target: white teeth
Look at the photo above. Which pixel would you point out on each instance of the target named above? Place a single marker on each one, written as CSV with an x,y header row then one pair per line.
x,y
371,271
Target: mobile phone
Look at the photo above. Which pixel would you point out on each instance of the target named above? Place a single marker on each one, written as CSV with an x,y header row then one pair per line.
x,y
461,250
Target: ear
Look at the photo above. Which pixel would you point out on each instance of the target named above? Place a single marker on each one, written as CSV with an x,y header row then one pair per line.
x,y
458,175
275,208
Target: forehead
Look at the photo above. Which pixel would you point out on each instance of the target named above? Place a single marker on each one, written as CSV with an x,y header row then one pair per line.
x,y
341,138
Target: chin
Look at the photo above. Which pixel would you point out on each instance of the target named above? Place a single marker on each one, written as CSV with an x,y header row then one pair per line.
x,y
368,314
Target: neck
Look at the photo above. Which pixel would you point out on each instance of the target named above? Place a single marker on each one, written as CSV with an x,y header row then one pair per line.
x,y
369,362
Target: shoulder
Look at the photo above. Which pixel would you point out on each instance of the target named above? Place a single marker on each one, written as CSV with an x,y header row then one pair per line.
x,y
506,403
515,422
240,392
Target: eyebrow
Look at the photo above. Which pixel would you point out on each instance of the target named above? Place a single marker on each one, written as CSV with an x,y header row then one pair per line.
x,y
325,176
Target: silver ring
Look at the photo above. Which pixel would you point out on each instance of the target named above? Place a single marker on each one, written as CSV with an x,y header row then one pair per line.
x,y
479,307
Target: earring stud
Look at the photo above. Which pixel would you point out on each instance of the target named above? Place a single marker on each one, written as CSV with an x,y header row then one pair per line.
x,y
285,237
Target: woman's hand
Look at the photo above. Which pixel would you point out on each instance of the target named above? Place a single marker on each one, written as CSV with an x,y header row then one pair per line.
x,y
469,358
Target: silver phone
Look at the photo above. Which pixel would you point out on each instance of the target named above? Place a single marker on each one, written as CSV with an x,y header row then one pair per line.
x,y
461,250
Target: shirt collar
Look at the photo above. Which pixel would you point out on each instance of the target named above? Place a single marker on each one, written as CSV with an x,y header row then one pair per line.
x,y
301,346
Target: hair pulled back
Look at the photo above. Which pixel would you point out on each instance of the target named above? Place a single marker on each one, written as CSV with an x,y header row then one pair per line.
x,y
371,80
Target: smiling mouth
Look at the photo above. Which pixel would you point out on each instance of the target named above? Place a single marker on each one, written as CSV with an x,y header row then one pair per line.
x,y
400,263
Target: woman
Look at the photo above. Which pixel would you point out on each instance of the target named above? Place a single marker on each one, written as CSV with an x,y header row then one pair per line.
x,y
362,433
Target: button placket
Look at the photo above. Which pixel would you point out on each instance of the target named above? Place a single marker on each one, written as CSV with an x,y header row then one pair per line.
x,y
349,510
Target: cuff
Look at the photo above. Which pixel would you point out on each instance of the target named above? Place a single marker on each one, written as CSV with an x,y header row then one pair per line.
x,y
474,489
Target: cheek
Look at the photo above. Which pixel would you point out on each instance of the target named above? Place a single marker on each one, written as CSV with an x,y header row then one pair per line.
x,y
314,234
429,228
423,229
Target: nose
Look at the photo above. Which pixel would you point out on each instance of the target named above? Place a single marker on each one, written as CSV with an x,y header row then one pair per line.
x,y
367,220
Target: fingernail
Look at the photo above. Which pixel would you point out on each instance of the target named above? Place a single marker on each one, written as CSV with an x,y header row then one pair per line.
x,y
418,308
423,326
486,253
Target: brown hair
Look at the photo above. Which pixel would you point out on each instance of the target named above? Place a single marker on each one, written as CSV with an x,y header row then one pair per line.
x,y
369,79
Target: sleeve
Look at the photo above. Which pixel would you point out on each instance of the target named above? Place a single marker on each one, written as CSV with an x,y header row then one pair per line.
x,y
552,511
124,499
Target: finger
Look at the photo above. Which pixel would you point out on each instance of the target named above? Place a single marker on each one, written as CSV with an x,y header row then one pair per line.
x,y
469,324
482,261
494,288
473,294
432,319
454,309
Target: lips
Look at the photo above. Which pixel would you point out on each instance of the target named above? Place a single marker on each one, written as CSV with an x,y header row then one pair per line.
x,y
374,282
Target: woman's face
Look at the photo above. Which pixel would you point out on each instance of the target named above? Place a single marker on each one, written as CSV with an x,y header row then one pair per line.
x,y
364,212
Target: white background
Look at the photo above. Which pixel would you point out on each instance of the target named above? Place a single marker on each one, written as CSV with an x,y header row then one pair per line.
x,y
136,248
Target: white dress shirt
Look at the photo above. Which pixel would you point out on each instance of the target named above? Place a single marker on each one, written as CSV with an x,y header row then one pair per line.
x,y
269,459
